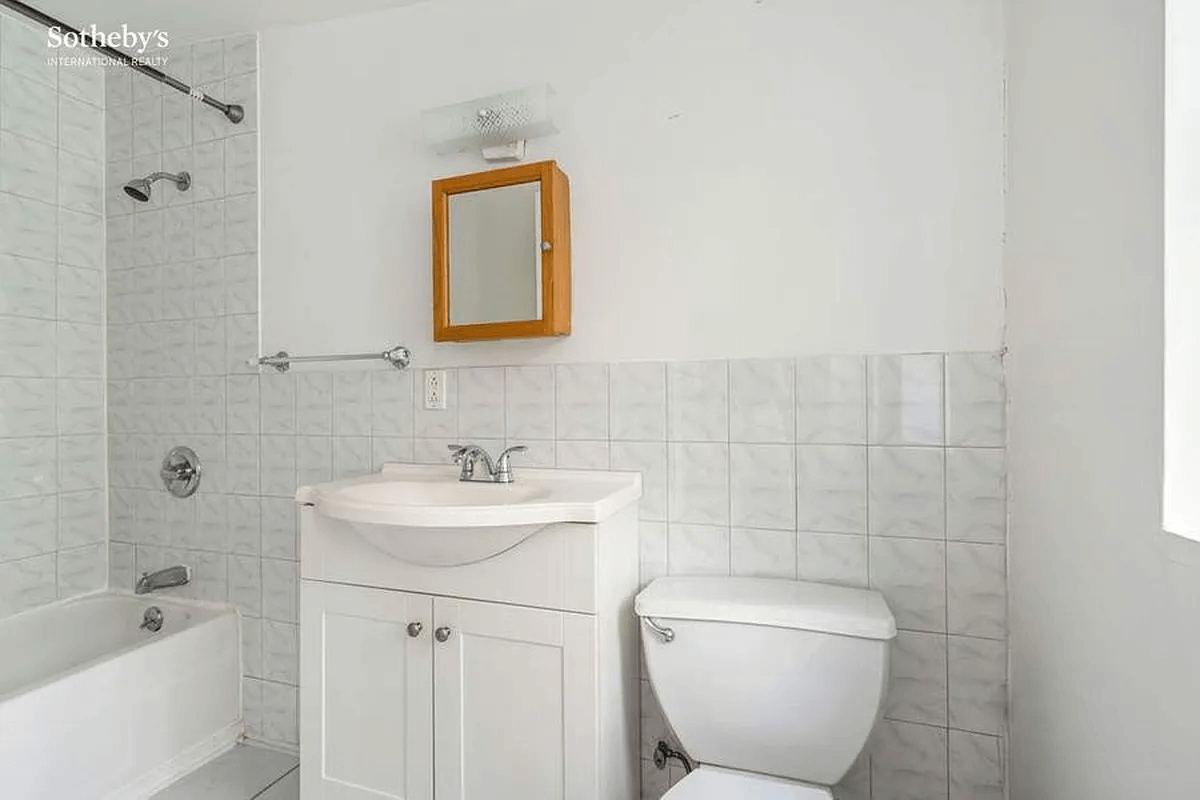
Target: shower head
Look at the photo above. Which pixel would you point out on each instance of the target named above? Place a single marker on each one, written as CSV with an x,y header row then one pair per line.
x,y
139,188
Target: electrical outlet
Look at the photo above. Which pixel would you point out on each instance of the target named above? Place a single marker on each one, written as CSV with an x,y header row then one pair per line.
x,y
435,388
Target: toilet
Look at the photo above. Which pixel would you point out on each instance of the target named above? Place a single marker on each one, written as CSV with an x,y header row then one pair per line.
x,y
772,686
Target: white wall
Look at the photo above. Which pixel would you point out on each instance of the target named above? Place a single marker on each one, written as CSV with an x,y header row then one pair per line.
x,y
1105,607
748,178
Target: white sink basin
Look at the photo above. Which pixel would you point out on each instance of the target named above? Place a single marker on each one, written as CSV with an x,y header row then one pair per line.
x,y
425,515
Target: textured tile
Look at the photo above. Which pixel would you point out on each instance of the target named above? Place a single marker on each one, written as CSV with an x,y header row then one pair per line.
x,y
481,403
831,398
908,762
976,495
976,590
918,688
911,574
637,401
906,399
763,553
762,400
907,496
978,695
650,459
974,400
832,558
762,486
529,403
976,768
391,403
831,488
697,550
581,401
699,483
698,401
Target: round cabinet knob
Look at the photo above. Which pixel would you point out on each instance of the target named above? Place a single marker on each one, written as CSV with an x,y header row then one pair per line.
x,y
442,634
414,629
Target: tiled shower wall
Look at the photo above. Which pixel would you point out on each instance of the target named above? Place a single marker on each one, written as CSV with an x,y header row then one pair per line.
x,y
182,323
52,496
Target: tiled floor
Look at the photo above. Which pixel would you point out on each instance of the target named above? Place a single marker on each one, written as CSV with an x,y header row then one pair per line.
x,y
244,773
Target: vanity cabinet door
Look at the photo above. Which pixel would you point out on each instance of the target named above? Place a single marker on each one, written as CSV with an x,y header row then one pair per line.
x,y
366,694
515,703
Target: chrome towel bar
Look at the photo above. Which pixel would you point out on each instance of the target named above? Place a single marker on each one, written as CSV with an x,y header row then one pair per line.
x,y
399,357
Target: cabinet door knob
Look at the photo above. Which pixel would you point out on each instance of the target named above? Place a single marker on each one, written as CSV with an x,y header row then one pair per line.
x,y
414,629
442,634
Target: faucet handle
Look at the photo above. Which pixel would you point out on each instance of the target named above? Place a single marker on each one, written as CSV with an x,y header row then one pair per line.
x,y
458,452
503,467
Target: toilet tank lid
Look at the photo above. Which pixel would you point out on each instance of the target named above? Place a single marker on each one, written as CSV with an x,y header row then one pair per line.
x,y
800,605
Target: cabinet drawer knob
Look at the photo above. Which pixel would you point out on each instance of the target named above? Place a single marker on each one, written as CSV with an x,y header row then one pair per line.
x,y
442,634
414,629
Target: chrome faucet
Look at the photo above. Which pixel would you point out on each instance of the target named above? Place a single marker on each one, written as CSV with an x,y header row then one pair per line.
x,y
163,579
499,471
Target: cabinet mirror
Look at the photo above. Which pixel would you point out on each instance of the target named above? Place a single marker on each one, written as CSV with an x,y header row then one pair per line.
x,y
502,254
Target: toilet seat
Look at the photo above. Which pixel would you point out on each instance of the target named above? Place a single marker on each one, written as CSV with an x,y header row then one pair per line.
x,y
714,783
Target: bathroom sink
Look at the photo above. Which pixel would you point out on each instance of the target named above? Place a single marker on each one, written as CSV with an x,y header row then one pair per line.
x,y
425,515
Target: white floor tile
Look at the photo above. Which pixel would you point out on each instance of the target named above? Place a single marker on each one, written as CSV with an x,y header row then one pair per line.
x,y
288,788
241,774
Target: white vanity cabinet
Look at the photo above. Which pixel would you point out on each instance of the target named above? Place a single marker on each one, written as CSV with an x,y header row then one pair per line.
x,y
510,678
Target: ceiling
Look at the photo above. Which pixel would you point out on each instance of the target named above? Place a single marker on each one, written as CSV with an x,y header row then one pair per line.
x,y
193,20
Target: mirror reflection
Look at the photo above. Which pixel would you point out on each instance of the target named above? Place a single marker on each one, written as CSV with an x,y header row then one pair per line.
x,y
495,255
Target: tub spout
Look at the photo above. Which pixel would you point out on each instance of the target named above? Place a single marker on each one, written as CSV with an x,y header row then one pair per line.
x,y
163,579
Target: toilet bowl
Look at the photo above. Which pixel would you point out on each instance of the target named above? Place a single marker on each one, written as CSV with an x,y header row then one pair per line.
x,y
772,686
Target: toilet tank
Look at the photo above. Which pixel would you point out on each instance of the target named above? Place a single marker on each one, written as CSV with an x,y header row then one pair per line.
x,y
779,677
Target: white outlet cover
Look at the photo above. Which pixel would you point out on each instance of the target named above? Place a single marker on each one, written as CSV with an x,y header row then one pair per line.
x,y
435,388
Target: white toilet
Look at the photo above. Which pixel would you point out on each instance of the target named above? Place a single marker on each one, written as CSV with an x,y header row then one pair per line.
x,y
772,686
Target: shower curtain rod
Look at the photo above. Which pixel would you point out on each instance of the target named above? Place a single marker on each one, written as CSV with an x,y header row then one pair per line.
x,y
233,112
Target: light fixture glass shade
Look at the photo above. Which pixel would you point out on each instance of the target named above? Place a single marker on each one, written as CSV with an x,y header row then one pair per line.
x,y
499,119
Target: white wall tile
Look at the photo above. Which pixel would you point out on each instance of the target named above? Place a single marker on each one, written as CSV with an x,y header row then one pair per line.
x,y
977,684
908,762
699,483
762,400
637,401
974,400
762,486
832,558
650,459
581,396
697,550
976,495
581,455
82,570
27,583
480,403
698,401
831,488
907,494
975,590
831,397
976,768
911,574
314,403
762,553
529,402
30,528
392,403
917,691
906,399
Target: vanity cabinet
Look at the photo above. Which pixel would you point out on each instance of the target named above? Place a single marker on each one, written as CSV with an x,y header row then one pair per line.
x,y
510,678
501,708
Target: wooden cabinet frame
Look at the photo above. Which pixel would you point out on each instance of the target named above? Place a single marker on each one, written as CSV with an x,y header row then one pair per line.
x,y
556,260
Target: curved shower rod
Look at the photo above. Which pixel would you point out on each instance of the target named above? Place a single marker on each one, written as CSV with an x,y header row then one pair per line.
x,y
232,111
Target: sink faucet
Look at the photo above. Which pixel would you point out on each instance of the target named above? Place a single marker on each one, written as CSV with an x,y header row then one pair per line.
x,y
163,579
499,471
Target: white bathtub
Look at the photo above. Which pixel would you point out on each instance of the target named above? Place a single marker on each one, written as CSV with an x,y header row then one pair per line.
x,y
92,706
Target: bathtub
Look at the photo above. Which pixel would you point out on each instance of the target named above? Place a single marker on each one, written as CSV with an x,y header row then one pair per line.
x,y
94,707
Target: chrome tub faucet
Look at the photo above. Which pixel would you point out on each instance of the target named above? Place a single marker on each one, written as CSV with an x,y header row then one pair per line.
x,y
163,579
499,471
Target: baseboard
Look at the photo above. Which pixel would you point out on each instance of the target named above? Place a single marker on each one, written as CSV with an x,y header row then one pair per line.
x,y
190,759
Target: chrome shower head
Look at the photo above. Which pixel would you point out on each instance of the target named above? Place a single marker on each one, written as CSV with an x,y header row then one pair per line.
x,y
139,188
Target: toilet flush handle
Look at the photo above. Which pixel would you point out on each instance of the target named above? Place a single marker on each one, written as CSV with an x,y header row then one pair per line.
x,y
667,634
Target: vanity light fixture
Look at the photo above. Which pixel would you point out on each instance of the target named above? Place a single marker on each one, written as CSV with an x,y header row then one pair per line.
x,y
498,126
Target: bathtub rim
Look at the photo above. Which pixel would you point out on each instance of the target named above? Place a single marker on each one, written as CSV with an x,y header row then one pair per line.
x,y
220,609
